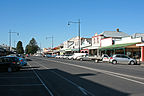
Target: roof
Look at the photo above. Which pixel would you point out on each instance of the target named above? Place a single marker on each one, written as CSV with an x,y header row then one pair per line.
x,y
135,35
117,46
114,34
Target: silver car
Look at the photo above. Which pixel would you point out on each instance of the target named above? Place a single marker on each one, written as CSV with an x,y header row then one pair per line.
x,y
123,59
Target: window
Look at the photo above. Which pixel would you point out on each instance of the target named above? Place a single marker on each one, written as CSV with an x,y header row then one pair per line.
x,y
123,56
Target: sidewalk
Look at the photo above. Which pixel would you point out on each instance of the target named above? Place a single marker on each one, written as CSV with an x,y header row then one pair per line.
x,y
141,63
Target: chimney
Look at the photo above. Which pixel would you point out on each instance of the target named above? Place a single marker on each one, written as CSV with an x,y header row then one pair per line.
x,y
117,30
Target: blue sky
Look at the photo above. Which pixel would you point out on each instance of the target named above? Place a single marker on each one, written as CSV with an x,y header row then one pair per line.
x,y
46,18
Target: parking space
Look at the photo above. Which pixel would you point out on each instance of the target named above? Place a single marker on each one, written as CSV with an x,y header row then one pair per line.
x,y
22,83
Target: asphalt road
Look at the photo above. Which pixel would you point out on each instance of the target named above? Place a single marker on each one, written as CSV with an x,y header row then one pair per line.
x,y
61,77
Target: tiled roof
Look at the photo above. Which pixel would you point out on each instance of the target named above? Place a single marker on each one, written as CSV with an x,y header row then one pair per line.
x,y
114,34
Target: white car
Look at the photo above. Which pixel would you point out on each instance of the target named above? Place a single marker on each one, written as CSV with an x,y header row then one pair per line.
x,y
70,57
83,57
78,54
66,56
59,56
105,58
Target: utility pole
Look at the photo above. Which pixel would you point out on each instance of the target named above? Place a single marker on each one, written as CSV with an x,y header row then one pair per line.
x,y
78,22
10,38
52,40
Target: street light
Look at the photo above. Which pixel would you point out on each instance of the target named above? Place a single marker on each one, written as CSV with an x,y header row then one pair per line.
x,y
78,30
10,38
52,40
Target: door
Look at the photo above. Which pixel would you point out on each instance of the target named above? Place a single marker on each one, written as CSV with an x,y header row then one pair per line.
x,y
125,59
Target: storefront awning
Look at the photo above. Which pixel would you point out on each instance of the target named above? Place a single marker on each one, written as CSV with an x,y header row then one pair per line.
x,y
75,49
140,44
117,46
92,47
68,50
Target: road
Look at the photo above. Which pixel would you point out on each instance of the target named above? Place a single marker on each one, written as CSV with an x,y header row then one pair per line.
x,y
61,77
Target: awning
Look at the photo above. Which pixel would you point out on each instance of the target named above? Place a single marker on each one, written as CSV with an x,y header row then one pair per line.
x,y
68,50
117,46
93,47
75,49
140,44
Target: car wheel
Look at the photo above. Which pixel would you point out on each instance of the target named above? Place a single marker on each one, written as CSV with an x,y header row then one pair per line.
x,y
9,69
18,69
114,62
132,62
96,61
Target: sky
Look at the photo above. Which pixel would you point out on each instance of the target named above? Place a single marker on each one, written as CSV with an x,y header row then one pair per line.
x,y
46,18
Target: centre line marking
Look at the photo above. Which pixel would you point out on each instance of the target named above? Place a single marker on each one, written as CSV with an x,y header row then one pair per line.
x,y
84,91
41,81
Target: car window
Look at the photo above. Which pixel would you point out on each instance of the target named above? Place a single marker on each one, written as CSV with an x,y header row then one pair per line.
x,y
123,56
6,60
118,56
105,56
0,60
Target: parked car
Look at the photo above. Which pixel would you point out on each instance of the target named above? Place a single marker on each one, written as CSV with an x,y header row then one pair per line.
x,y
10,63
105,58
123,59
83,57
98,58
58,56
70,57
66,56
77,55
48,56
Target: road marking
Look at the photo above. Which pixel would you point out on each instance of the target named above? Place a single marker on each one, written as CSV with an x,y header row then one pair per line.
x,y
41,81
84,91
21,85
119,75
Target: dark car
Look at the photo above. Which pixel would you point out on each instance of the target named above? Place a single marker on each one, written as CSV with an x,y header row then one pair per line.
x,y
10,64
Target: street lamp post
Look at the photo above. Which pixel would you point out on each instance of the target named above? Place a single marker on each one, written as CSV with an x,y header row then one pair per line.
x,y
10,38
52,40
78,30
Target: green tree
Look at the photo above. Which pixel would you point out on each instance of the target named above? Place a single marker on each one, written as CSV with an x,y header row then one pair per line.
x,y
32,47
19,48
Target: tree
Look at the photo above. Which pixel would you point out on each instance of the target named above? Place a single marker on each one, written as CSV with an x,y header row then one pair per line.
x,y
32,47
19,48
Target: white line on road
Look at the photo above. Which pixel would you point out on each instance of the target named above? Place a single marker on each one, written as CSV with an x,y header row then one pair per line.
x,y
84,91
119,75
42,81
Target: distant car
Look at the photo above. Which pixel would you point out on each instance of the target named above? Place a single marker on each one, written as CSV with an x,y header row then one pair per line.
x,y
70,57
66,56
48,56
123,59
58,56
23,61
10,63
83,57
77,55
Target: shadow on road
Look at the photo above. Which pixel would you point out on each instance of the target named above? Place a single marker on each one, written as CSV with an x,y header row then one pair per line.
x,y
63,87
